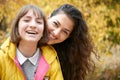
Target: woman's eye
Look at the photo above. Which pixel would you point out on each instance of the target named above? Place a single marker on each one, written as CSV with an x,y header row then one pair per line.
x,y
55,24
65,32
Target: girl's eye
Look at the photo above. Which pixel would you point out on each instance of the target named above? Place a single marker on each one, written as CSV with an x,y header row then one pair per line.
x,y
26,20
39,22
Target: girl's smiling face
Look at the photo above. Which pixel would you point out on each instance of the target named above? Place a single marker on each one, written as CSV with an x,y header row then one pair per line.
x,y
31,27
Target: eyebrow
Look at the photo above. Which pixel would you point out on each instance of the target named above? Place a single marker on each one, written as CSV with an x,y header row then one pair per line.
x,y
60,24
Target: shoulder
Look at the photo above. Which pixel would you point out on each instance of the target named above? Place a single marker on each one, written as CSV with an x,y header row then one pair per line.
x,y
51,57
4,47
4,50
7,48
6,44
49,53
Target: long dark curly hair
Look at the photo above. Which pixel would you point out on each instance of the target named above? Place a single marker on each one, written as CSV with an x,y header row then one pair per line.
x,y
75,52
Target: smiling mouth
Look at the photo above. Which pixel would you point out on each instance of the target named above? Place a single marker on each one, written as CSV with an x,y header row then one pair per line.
x,y
32,32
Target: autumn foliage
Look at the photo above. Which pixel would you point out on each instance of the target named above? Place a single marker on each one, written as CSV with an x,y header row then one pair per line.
x,y
103,19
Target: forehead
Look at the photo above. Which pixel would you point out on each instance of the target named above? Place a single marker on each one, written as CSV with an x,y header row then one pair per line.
x,y
33,12
64,20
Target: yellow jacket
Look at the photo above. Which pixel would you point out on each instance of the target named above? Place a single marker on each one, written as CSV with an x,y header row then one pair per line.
x,y
49,66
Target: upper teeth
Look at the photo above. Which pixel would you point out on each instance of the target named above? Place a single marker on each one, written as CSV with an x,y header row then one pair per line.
x,y
31,32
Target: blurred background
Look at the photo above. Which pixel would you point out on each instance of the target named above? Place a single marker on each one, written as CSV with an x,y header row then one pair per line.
x,y
103,19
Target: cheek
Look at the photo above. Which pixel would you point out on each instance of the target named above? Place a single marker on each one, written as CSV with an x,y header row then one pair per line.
x,y
63,38
21,31
21,27
49,25
41,28
48,29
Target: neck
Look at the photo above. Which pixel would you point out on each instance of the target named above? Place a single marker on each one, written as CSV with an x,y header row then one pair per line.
x,y
27,49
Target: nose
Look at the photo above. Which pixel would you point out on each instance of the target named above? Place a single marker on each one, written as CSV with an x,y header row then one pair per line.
x,y
56,32
33,24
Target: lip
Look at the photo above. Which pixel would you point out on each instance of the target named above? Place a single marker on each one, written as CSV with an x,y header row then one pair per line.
x,y
31,32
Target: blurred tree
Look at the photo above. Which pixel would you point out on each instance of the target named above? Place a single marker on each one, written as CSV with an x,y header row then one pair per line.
x,y
103,19
3,24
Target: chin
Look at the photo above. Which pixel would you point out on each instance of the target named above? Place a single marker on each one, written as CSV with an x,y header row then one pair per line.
x,y
33,40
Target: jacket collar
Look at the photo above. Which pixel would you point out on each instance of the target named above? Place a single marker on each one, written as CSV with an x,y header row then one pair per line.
x,y
32,59
48,56
42,69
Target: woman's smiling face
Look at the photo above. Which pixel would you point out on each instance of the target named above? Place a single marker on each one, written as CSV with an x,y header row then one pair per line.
x,y
59,28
